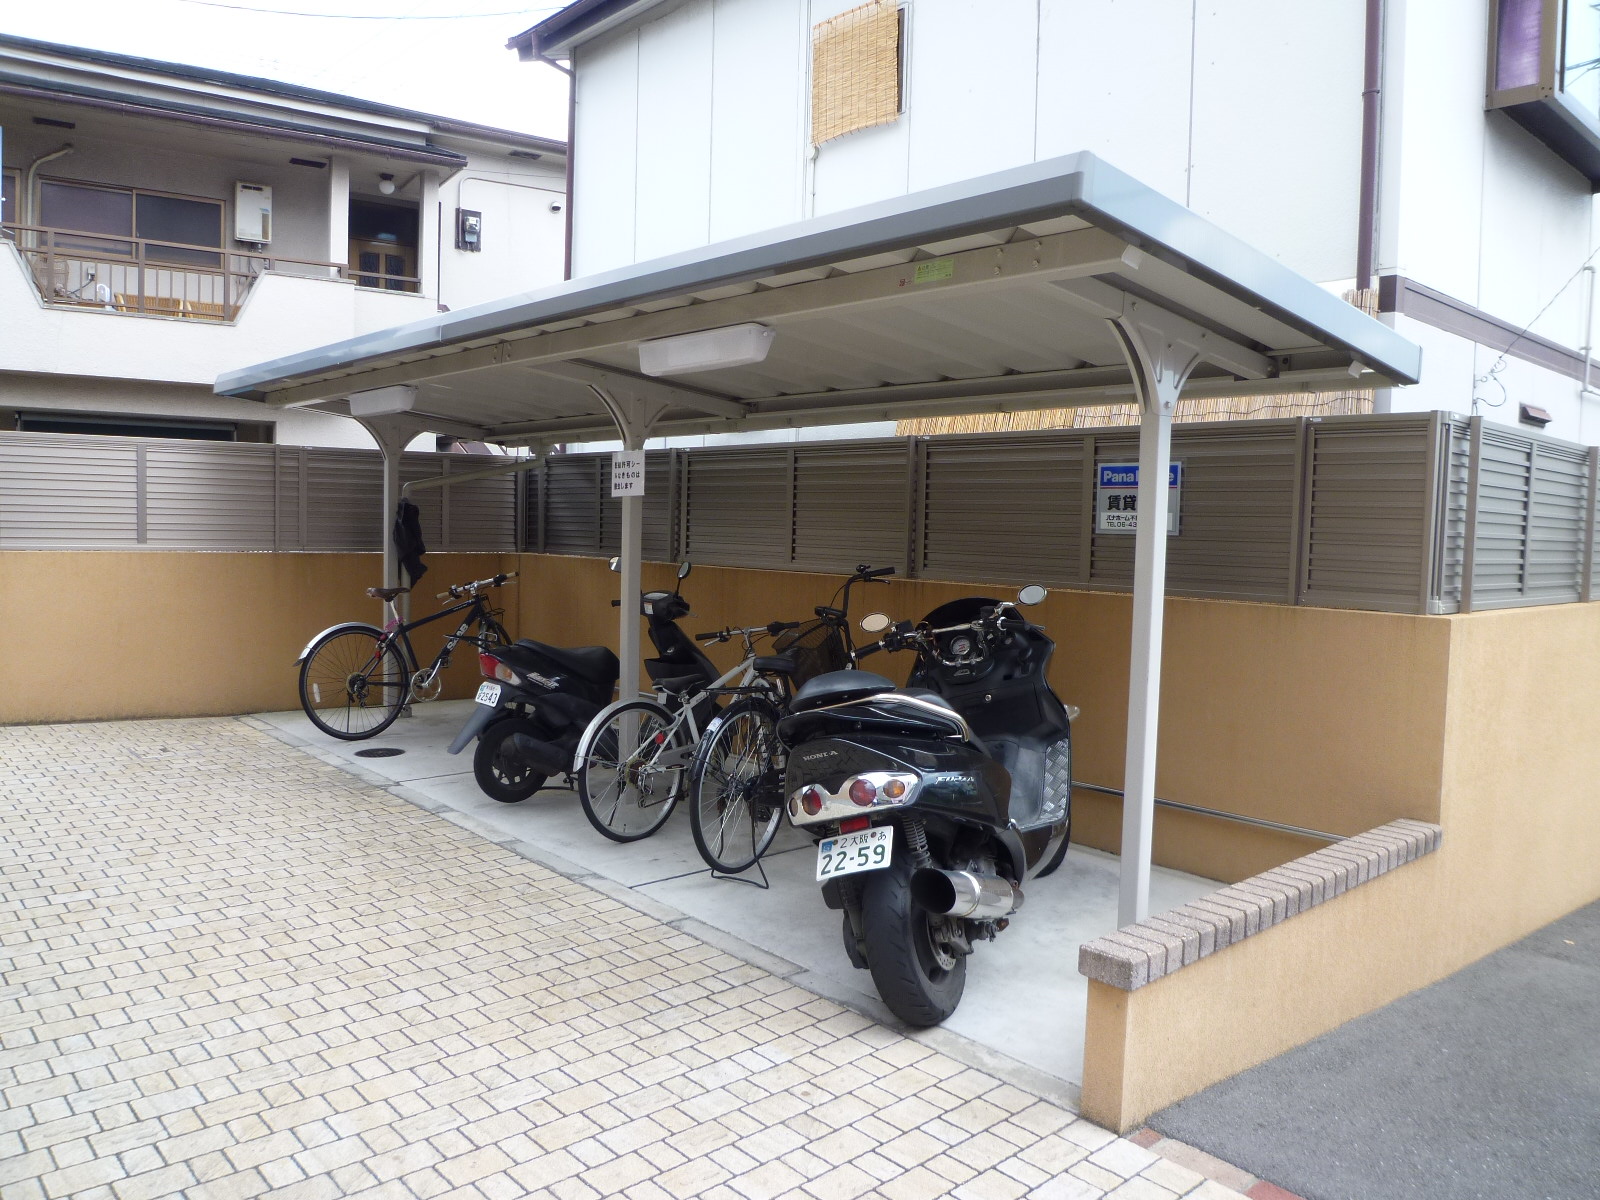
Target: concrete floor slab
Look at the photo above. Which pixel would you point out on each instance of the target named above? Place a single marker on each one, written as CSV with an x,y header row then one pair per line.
x,y
1024,1000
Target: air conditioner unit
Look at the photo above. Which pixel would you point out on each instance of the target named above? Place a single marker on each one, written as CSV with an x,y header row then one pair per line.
x,y
252,213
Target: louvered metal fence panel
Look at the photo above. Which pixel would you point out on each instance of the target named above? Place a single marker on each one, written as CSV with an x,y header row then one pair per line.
x,y
289,505
1368,514
482,512
1454,522
1237,512
1532,521
660,507
573,508
210,496
852,505
1006,508
739,509
67,492
343,490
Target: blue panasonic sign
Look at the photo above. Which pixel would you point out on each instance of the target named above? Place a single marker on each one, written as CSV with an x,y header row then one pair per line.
x,y
1126,475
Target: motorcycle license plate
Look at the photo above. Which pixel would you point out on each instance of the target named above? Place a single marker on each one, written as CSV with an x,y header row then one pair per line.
x,y
488,693
868,850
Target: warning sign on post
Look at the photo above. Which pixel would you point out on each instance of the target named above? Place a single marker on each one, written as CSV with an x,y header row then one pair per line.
x,y
627,473
1116,498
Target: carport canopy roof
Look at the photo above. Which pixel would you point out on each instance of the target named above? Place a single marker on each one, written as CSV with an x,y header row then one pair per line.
x,y
993,294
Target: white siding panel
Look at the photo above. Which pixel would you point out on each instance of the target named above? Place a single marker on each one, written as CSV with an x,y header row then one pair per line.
x,y
1277,128
1433,142
758,103
1114,80
861,167
1535,225
973,103
673,204
605,155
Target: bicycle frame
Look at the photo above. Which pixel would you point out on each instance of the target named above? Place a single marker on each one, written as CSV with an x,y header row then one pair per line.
x,y
396,630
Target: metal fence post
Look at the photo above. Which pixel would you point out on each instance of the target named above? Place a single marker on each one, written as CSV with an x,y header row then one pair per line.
x,y
1469,548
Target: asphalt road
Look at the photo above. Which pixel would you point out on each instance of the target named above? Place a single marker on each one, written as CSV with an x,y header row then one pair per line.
x,y
1486,1084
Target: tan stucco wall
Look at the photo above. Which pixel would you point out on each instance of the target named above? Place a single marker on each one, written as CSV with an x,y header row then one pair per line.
x,y
104,634
1313,717
1520,812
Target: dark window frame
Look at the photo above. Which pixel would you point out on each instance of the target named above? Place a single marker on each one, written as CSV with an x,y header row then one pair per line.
x,y
1538,100
167,256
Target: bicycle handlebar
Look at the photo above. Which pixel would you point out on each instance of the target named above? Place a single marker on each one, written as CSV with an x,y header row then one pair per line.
x,y
865,573
456,591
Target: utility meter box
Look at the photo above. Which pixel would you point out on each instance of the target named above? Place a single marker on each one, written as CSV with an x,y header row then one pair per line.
x,y
252,213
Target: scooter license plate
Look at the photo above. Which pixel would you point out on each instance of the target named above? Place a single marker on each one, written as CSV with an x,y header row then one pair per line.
x,y
488,693
868,850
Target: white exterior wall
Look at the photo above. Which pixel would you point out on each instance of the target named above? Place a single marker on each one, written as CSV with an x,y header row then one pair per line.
x,y
692,127
524,229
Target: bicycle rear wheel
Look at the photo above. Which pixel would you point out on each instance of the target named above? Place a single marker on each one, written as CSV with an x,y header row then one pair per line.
x,y
353,684
628,797
736,785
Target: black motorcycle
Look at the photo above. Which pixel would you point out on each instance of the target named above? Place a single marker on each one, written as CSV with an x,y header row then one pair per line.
x,y
933,802
534,704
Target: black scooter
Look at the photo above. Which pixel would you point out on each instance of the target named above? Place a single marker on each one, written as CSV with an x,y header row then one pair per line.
x,y
534,704
932,803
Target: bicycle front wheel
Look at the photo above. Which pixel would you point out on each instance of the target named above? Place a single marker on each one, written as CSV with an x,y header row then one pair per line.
x,y
736,786
628,796
353,684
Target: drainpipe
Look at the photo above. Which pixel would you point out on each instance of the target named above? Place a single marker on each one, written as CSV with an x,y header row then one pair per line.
x,y
33,173
1371,89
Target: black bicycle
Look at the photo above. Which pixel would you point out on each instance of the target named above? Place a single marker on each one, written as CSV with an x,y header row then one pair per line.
x,y
355,678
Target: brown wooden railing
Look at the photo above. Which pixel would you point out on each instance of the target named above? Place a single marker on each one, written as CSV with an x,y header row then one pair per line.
x,y
75,269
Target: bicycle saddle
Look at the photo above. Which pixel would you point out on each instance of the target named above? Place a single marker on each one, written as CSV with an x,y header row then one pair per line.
x,y
387,593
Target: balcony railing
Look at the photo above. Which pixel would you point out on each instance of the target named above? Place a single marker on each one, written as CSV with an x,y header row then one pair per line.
x,y
74,269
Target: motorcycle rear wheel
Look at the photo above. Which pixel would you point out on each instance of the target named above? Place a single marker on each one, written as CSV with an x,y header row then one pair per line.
x,y
630,800
920,983
496,767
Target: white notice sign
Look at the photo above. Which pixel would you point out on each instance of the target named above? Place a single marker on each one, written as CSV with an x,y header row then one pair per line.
x,y
627,473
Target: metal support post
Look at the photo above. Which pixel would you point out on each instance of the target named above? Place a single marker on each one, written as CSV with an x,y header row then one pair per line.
x,y
1161,350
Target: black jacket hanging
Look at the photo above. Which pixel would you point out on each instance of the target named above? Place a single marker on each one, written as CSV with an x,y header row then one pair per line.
x,y
408,540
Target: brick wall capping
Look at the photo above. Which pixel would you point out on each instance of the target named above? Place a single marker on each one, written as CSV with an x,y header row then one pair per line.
x,y
1147,950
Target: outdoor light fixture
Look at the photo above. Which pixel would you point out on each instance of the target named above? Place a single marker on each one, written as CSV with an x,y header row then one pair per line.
x,y
384,401
707,350
386,184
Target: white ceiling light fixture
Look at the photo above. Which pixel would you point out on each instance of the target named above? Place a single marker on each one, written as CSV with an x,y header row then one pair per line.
x,y
707,350
384,401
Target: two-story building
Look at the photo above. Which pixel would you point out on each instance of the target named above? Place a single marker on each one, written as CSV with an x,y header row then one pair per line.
x,y
1441,152
165,223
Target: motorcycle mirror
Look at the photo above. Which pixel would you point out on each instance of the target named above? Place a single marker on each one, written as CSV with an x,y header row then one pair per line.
x,y
683,569
1032,594
876,622
616,564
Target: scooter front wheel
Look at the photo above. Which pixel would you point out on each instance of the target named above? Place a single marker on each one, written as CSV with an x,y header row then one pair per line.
x,y
917,972
628,796
500,772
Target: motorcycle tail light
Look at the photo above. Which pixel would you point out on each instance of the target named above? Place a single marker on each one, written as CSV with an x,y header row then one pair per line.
x,y
501,671
855,824
486,664
811,801
893,789
863,792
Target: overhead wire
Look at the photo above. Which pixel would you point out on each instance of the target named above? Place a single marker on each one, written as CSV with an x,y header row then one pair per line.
x,y
281,12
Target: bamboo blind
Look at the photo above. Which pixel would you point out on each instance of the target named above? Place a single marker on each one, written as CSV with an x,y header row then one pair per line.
x,y
1350,401
855,71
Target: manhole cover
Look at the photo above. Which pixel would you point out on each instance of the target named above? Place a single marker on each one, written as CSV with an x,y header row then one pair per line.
x,y
380,752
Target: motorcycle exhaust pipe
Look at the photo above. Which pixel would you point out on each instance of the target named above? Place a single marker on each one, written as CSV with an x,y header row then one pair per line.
x,y
546,757
964,894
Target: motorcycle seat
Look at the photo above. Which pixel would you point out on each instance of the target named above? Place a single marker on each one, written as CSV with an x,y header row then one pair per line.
x,y
595,663
839,687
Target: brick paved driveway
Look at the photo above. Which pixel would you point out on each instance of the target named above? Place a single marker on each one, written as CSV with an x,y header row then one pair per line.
x,y
229,970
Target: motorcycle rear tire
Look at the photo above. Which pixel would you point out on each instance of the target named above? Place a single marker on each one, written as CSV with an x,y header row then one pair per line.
x,y
495,765
900,953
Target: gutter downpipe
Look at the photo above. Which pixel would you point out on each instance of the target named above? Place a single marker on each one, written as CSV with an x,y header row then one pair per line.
x,y
1371,96
28,204
572,125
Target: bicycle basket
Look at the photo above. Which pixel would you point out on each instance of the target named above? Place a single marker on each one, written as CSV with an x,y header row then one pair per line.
x,y
816,648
